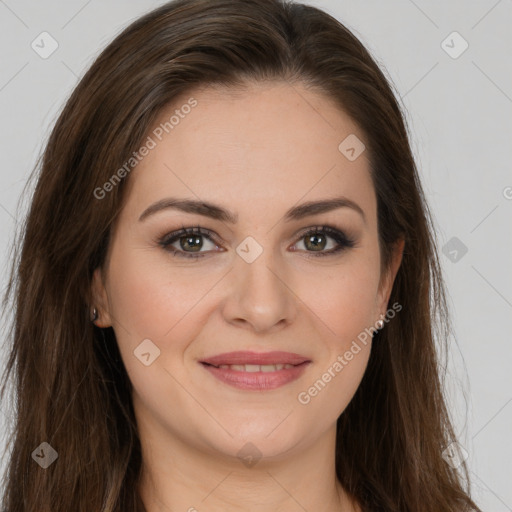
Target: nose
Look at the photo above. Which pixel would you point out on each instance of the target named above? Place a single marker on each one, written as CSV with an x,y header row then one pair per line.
x,y
260,298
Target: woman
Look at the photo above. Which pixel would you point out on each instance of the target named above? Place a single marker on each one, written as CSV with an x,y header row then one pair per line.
x,y
228,288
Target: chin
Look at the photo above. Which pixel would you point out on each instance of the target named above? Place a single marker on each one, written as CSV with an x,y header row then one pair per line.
x,y
272,438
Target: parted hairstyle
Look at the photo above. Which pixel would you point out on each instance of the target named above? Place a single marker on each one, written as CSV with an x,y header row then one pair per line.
x,y
70,385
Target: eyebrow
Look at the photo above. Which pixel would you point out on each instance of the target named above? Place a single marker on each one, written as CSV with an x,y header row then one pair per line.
x,y
216,212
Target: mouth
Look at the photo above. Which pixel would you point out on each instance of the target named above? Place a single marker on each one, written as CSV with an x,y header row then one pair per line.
x,y
252,368
256,371
248,358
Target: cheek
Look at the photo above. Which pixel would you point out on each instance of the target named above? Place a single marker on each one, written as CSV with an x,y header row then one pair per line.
x,y
345,303
150,299
345,299
333,390
148,295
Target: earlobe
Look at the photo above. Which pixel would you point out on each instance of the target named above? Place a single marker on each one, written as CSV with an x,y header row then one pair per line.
x,y
100,315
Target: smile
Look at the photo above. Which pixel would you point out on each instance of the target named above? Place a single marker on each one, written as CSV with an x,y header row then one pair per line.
x,y
256,377
255,367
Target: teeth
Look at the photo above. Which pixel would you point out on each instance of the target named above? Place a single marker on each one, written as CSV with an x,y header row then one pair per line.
x,y
256,367
271,367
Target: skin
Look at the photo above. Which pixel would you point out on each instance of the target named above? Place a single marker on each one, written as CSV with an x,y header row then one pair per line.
x,y
256,152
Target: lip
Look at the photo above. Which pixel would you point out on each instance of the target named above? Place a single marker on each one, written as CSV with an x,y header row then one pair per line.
x,y
256,381
246,357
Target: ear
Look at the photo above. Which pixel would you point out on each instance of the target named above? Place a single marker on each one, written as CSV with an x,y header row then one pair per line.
x,y
387,280
100,299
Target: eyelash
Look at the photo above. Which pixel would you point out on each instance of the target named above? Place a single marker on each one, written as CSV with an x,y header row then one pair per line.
x,y
343,241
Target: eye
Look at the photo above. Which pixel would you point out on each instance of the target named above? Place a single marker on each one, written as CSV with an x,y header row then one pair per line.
x,y
188,239
314,239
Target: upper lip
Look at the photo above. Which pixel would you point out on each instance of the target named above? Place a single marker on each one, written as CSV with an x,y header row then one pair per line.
x,y
258,358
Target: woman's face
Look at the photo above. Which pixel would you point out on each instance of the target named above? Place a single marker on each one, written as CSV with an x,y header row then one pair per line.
x,y
260,283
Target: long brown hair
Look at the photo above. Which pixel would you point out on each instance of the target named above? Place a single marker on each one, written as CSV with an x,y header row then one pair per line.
x,y
72,390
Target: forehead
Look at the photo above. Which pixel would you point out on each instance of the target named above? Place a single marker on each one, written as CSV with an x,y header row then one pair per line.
x,y
264,145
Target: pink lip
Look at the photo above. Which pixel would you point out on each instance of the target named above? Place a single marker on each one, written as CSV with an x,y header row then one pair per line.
x,y
245,357
256,380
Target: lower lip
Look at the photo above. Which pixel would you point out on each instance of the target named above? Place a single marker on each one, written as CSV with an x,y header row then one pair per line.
x,y
257,380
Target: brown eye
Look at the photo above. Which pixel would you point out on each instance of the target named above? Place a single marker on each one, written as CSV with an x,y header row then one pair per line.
x,y
190,242
316,240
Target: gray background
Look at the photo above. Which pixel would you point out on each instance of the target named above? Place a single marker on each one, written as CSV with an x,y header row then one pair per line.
x,y
459,112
